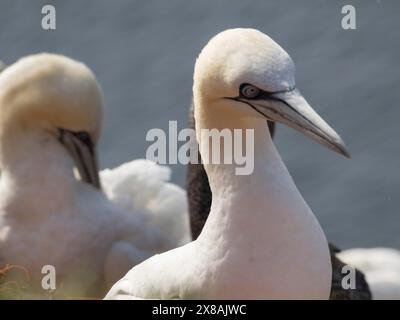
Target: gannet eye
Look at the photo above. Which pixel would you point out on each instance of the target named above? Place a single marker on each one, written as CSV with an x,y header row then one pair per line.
x,y
249,91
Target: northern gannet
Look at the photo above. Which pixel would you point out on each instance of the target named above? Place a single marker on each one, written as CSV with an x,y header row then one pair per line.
x,y
199,204
261,240
51,110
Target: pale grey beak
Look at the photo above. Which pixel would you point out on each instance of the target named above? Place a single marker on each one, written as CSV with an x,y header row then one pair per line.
x,y
82,150
292,109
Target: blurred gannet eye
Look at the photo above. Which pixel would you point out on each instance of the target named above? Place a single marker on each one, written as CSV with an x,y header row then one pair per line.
x,y
249,91
84,137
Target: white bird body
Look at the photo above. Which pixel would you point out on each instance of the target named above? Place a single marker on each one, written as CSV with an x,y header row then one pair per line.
x,y
381,267
263,230
47,216
261,240
244,252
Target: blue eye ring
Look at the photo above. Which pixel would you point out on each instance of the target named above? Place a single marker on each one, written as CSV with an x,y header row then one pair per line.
x,y
249,91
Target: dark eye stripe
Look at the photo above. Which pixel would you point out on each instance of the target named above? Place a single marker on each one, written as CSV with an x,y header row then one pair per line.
x,y
261,94
84,137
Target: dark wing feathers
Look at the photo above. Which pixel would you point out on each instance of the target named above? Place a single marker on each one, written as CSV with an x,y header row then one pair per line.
x,y
199,198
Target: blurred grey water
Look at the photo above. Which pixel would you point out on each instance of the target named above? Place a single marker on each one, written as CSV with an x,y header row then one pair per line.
x,y
143,54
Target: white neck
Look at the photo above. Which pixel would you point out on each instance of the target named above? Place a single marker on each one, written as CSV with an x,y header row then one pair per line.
x,y
36,173
263,218
265,197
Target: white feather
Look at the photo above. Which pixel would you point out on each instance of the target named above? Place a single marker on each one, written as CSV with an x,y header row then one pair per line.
x,y
381,267
47,216
261,240
142,185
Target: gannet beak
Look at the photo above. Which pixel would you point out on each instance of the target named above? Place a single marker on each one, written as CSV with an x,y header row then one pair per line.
x,y
81,148
290,108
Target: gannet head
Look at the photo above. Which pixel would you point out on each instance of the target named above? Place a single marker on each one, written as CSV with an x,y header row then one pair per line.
x,y
249,69
62,98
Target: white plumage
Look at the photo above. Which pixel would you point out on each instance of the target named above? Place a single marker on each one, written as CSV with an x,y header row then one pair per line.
x,y
144,185
381,267
50,108
261,240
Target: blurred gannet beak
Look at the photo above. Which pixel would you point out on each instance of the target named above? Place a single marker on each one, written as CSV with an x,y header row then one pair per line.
x,y
82,150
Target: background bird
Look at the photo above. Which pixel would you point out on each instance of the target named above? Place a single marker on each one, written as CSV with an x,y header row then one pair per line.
x,y
51,114
381,267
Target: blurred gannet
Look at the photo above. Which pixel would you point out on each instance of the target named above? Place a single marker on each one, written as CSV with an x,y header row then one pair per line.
x,y
51,111
261,240
381,267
